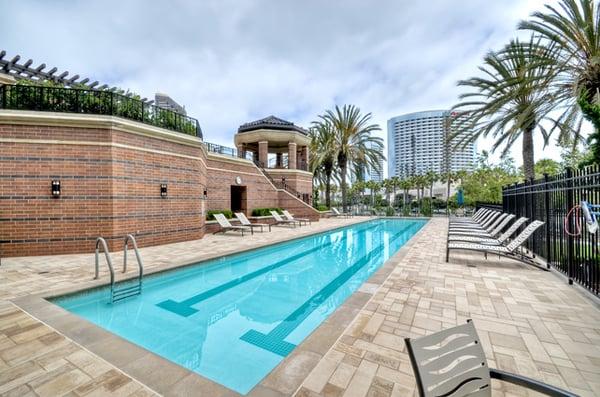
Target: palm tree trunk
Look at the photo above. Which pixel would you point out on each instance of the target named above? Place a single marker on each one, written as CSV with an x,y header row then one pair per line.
x,y
343,166
328,190
528,159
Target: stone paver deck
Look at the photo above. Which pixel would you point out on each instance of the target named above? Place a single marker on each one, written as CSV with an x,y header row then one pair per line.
x,y
530,322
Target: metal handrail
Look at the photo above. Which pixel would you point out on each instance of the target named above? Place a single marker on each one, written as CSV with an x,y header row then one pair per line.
x,y
99,241
137,255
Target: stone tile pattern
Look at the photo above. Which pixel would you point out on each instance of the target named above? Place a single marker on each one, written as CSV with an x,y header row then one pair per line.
x,y
36,360
530,322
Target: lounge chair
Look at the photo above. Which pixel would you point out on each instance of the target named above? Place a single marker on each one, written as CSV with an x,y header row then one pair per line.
x,y
477,215
485,222
280,221
227,226
246,222
475,236
452,363
509,250
338,213
289,217
488,227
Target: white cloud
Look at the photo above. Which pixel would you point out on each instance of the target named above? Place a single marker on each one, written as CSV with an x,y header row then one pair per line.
x,y
232,61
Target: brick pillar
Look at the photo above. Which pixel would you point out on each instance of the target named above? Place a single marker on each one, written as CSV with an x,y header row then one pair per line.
x,y
305,156
292,155
263,153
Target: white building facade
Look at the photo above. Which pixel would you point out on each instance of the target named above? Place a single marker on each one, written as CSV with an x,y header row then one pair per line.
x,y
416,145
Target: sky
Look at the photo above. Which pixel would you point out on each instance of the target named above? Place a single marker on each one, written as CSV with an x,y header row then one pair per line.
x,y
234,61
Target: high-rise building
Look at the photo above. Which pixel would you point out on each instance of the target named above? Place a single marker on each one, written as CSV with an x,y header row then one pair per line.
x,y
166,102
416,145
373,174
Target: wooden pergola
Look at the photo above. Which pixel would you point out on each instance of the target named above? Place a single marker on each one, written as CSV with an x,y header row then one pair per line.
x,y
25,70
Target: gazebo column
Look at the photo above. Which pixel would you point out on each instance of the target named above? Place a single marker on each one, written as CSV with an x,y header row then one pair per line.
x,y
279,163
305,157
292,155
263,153
240,149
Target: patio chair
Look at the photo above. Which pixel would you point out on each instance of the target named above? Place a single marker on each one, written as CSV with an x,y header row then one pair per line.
x,y
336,213
290,217
508,251
477,215
280,221
495,230
474,237
485,222
484,228
246,222
227,226
452,363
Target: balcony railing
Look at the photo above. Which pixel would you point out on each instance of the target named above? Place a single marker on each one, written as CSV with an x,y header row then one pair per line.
x,y
228,151
71,100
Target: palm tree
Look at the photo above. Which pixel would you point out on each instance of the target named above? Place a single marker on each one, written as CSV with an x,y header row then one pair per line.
x,y
405,185
387,186
395,183
573,28
431,177
510,100
374,187
354,142
323,156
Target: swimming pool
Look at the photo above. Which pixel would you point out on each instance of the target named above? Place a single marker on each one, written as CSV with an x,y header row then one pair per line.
x,y
234,318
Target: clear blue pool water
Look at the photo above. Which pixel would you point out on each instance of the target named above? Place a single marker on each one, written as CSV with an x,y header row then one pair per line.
x,y
233,319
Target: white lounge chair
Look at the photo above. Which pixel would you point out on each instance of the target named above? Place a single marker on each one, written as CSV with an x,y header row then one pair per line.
x,y
452,363
280,221
509,250
227,226
489,226
246,222
476,216
485,222
289,217
489,240
338,213
470,236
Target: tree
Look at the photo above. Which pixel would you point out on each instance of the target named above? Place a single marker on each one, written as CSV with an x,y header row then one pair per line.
x,y
395,183
485,183
353,139
405,185
510,100
323,156
374,187
431,177
388,187
573,28
546,166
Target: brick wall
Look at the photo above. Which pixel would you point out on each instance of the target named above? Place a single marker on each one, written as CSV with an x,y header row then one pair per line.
x,y
110,186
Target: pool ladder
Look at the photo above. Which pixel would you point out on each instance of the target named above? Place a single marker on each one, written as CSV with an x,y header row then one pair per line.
x,y
117,294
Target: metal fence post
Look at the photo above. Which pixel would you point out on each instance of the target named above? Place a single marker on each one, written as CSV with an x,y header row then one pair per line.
x,y
570,240
549,223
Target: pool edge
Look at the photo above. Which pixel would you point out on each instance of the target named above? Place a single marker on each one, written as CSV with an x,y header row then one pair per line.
x,y
168,378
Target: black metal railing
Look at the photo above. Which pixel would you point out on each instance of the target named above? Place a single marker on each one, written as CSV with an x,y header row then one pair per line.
x,y
550,199
280,184
72,100
229,151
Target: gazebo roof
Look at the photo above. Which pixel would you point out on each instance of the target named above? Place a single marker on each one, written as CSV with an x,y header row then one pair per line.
x,y
271,123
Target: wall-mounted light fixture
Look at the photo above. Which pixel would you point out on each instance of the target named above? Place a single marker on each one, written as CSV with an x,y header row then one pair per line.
x,y
163,190
205,194
55,188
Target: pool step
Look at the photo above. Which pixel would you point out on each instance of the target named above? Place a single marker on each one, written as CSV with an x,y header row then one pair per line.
x,y
118,294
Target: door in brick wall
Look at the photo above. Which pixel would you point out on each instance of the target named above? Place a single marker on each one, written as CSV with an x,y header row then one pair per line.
x,y
238,199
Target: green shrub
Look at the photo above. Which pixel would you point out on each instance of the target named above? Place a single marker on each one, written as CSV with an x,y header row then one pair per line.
x,y
210,215
389,211
265,211
406,210
322,207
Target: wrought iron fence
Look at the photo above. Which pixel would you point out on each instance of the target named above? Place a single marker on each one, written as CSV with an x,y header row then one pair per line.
x,y
229,151
550,199
72,100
